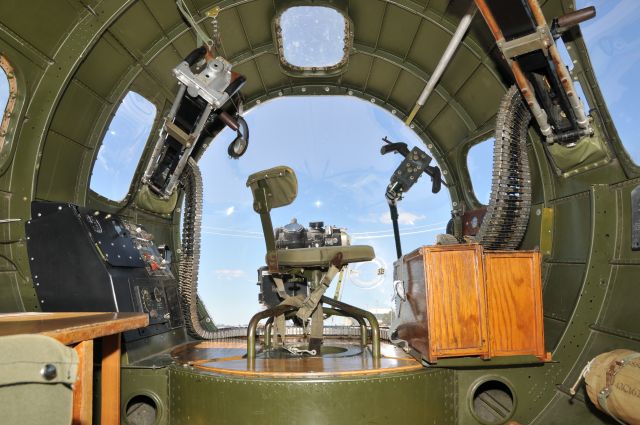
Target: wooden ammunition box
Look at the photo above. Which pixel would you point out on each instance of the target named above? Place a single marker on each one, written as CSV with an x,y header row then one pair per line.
x,y
458,300
514,303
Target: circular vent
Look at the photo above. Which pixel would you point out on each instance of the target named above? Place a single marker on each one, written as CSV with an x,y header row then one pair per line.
x,y
493,402
141,410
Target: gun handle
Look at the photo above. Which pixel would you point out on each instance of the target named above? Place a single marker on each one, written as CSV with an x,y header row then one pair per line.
x,y
436,178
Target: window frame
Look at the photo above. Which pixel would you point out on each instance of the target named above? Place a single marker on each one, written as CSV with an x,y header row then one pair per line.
x,y
160,111
311,71
13,104
470,188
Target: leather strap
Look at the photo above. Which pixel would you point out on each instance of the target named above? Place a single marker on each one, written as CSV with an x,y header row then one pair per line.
x,y
604,394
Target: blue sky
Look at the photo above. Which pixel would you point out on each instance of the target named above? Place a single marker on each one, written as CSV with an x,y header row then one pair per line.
x,y
4,89
333,145
122,147
342,180
323,40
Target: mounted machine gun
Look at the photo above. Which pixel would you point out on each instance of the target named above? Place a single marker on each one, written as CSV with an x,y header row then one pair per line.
x,y
406,175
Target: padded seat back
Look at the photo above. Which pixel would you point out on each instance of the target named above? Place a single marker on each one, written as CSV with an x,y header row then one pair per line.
x,y
273,188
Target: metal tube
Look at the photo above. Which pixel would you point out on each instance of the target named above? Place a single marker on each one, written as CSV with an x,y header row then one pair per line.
x,y
489,19
521,80
561,69
373,322
363,327
574,18
444,61
175,176
267,333
162,135
176,103
253,327
393,211
529,96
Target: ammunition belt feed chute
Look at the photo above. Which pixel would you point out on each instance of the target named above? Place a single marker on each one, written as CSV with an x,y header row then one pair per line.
x,y
507,216
208,99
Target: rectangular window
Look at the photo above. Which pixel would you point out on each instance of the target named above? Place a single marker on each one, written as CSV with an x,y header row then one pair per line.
x,y
122,147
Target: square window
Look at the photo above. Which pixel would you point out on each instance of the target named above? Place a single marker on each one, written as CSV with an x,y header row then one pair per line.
x,y
313,38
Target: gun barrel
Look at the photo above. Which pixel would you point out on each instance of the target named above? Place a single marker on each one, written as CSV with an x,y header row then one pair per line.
x,y
576,17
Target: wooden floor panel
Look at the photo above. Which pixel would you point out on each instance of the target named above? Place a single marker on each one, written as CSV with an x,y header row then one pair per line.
x,y
229,358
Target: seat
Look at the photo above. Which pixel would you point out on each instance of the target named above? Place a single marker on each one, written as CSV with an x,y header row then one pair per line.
x,y
274,188
278,187
314,257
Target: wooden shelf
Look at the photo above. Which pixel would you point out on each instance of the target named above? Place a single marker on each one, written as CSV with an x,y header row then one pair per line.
x,y
79,330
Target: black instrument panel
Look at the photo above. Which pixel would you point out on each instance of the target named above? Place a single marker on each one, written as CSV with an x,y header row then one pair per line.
x,y
85,260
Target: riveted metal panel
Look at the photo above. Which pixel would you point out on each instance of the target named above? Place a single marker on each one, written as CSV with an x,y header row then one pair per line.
x,y
392,40
367,20
76,113
621,305
103,68
164,12
137,30
359,64
30,25
482,93
234,41
424,397
448,128
256,20
382,76
404,91
57,181
562,289
572,217
430,38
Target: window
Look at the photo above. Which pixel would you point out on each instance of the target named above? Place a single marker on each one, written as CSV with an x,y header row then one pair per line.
x,y
8,98
341,181
312,37
122,147
612,38
4,90
480,168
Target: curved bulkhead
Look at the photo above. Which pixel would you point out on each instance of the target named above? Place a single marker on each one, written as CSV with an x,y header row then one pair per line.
x,y
74,61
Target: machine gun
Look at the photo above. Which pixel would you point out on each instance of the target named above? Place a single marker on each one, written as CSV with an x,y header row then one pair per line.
x,y
415,162
208,100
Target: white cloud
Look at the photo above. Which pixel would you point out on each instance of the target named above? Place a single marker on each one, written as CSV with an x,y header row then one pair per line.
x,y
230,210
229,274
406,218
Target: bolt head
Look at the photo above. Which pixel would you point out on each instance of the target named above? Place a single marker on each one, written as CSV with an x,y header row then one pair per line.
x,y
49,372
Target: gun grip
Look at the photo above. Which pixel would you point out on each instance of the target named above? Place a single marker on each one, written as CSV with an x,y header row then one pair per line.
x,y
395,147
436,179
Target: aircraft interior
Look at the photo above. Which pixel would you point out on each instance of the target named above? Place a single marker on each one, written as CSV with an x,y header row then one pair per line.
x,y
524,310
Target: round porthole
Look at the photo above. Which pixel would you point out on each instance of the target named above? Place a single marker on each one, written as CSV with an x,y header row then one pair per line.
x,y
492,401
141,409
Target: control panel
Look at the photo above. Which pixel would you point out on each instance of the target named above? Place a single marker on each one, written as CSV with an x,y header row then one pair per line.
x,y
87,260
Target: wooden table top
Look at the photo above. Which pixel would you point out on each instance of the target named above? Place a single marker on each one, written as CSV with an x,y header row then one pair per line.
x,y
70,328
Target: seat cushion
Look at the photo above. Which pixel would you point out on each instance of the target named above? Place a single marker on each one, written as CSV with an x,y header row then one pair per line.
x,y
321,257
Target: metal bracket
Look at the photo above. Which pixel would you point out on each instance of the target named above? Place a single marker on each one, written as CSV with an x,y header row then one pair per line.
x,y
541,39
